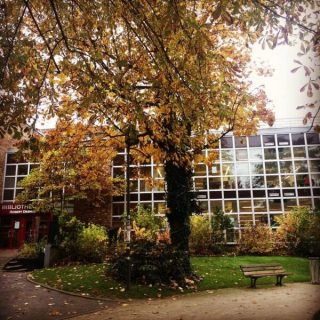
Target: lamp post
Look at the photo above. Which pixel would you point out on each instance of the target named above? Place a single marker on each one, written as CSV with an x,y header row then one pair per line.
x,y
131,139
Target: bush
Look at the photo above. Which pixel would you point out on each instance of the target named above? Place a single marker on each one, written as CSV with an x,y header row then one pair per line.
x,y
78,242
31,250
208,235
299,232
200,236
152,263
92,244
257,240
146,225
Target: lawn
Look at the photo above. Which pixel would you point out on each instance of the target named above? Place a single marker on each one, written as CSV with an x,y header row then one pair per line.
x,y
217,272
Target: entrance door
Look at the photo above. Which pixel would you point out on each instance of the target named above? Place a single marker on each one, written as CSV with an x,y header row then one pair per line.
x,y
13,231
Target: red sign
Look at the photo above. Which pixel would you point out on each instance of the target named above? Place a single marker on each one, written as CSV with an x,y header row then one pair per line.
x,y
15,208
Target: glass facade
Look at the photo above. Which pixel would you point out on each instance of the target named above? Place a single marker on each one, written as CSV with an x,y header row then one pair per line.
x,y
253,180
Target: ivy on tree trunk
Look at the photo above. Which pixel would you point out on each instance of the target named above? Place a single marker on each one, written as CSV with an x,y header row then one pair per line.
x,y
179,202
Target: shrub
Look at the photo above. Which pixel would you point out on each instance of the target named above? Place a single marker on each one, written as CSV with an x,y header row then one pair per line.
x,y
78,242
200,236
257,240
299,231
208,235
146,225
92,244
31,250
151,263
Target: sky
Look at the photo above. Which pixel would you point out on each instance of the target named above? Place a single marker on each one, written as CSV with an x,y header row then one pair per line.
x,y
283,88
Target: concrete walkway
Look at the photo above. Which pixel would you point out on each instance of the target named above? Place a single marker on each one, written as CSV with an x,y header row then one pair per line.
x,y
20,299
299,301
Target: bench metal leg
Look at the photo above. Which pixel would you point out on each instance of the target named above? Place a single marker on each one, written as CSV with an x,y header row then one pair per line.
x,y
279,280
253,282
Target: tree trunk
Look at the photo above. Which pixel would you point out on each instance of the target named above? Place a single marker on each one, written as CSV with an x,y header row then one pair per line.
x,y
179,202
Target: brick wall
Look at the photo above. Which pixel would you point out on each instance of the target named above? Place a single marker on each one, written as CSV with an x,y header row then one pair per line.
x,y
86,212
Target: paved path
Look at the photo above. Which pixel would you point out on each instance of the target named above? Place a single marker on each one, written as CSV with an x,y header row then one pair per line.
x,y
297,301
20,299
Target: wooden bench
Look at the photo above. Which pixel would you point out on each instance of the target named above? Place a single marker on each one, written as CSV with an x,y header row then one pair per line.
x,y
257,271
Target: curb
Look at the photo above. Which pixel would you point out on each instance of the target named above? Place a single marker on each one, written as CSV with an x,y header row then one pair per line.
x,y
29,278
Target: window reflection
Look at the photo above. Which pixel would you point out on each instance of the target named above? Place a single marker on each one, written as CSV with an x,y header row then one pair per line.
x,y
284,153
272,181
257,182
271,167
256,167
283,139
268,140
286,167
241,155
287,181
255,154
260,205
297,139
228,169
314,165
275,204
245,205
227,155
301,166
299,152
243,182
270,153
230,206
215,183
226,142
314,152
289,204
242,168
229,182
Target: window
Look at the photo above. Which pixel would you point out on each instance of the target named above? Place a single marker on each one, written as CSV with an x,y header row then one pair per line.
x,y
257,182
255,154
268,140
242,168
259,205
229,182
215,170
200,183
216,205
243,182
314,152
227,155
272,181
256,168
313,138
230,206
245,205
240,142
158,172
275,205
254,141
271,167
215,183
314,166
226,142
119,160
200,170
297,139
270,154
241,155
286,167
315,180
300,166
287,181
284,153
228,169
299,152
289,204
283,139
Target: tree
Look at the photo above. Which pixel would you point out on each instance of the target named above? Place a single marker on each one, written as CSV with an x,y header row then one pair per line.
x,y
74,164
171,75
